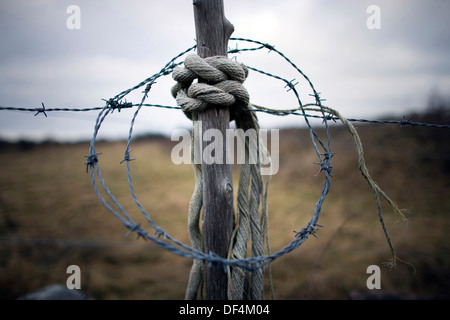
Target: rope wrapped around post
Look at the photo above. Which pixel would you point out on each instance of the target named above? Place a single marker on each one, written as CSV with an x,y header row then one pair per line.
x,y
221,85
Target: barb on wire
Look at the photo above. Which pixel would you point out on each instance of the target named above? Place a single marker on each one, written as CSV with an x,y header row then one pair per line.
x,y
291,85
117,105
260,109
92,159
41,110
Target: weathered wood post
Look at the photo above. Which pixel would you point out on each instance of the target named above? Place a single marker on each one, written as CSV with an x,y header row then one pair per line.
x,y
213,31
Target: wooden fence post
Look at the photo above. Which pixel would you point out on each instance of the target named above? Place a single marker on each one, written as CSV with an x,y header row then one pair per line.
x,y
213,31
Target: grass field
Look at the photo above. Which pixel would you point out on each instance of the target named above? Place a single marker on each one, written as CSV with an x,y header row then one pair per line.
x,y
50,217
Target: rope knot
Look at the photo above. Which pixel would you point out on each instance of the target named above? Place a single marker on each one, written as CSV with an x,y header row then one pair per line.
x,y
219,83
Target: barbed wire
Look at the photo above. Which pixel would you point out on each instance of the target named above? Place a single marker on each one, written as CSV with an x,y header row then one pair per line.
x,y
118,107
161,237
293,112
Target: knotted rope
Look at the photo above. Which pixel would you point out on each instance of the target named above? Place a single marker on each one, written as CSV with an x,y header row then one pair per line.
x,y
222,86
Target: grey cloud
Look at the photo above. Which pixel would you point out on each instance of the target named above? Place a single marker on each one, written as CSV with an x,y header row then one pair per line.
x,y
122,42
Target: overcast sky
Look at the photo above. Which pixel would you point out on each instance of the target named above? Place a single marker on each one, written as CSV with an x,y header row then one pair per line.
x,y
362,72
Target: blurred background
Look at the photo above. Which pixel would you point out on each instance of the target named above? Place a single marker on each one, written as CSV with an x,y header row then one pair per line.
x,y
50,216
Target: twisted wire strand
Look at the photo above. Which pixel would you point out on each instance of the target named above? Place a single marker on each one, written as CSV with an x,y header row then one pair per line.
x,y
258,109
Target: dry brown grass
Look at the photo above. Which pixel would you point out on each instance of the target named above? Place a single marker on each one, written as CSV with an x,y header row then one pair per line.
x,y
45,194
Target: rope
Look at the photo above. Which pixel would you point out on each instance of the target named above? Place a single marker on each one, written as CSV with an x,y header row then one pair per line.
x,y
365,173
222,86
195,235
363,170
